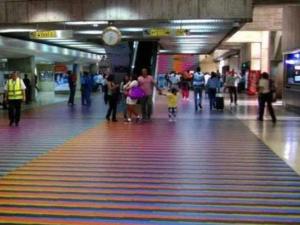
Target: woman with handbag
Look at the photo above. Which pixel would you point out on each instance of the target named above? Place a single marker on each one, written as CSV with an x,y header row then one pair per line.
x,y
266,89
134,93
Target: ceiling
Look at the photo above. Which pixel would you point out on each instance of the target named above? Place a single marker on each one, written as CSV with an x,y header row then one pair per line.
x,y
15,48
201,36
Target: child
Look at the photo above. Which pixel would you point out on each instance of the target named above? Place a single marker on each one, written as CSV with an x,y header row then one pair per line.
x,y
172,97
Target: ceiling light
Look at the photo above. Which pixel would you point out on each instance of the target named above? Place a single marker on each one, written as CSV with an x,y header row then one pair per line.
x,y
197,21
63,40
89,32
81,45
204,30
86,23
16,30
132,29
68,43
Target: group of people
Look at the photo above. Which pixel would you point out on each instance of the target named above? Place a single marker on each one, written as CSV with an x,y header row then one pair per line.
x,y
214,83
138,90
133,90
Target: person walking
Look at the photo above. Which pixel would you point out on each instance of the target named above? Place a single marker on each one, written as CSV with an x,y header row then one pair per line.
x,y
86,88
198,85
231,82
172,98
213,85
131,103
72,80
174,80
124,93
15,94
112,97
28,88
266,88
185,85
147,83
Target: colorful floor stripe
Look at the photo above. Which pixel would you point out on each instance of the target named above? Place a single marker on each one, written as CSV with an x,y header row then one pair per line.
x,y
194,171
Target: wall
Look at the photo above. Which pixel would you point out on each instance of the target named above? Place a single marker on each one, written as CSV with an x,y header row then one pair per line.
x,y
25,11
291,41
45,85
245,54
178,63
208,64
266,18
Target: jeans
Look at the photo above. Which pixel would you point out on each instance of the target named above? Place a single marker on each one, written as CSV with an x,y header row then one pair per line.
x,y
212,97
72,95
233,94
146,103
112,108
198,96
263,99
14,110
86,96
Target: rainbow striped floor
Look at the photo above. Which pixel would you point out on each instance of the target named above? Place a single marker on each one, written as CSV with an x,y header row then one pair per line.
x,y
71,169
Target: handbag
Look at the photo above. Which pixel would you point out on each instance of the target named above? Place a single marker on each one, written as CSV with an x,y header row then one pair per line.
x,y
136,93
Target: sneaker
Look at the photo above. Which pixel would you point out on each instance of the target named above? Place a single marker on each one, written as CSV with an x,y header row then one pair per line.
x,y
170,120
129,120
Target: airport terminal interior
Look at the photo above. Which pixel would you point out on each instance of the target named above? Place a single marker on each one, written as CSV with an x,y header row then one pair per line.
x,y
149,112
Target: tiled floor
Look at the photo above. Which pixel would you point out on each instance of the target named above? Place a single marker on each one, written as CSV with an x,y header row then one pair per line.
x,y
207,168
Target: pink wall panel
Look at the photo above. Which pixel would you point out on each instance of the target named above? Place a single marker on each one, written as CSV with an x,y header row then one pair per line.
x,y
178,63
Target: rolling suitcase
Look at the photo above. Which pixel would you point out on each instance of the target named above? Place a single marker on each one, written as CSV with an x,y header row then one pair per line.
x,y
220,101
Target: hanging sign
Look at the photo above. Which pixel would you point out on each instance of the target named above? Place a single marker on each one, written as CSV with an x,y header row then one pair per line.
x,y
165,32
52,34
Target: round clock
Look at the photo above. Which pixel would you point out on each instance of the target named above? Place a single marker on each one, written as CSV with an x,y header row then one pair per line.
x,y
111,36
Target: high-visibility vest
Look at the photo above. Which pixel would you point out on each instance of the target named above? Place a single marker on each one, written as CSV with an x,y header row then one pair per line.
x,y
14,89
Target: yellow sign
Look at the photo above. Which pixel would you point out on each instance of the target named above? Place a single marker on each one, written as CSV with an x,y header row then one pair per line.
x,y
158,32
181,32
43,34
162,32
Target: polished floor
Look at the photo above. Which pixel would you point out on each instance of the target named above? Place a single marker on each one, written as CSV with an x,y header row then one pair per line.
x,y
67,166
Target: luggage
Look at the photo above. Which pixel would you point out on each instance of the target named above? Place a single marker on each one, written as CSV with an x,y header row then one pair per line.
x,y
219,101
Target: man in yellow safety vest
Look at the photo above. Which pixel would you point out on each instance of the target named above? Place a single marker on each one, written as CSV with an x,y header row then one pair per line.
x,y
15,94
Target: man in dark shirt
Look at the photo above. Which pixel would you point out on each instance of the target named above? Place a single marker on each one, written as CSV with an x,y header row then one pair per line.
x,y
28,88
72,79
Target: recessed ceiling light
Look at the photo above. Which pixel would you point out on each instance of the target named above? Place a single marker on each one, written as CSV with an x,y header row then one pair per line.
x,y
63,40
86,22
16,30
89,32
132,29
198,21
81,45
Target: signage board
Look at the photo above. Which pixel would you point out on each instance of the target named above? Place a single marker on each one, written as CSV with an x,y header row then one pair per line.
x,y
51,34
165,32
